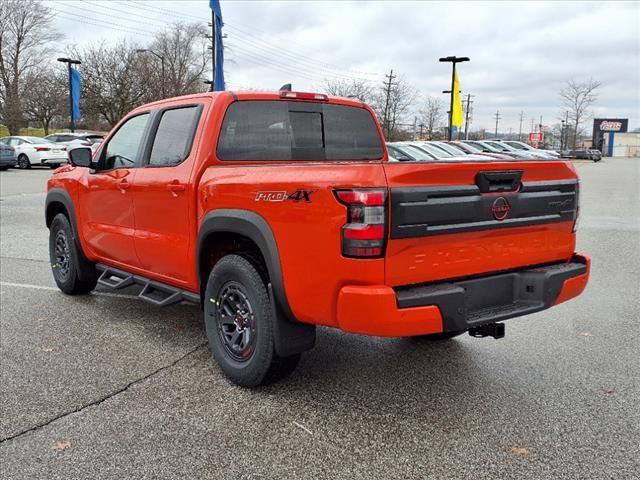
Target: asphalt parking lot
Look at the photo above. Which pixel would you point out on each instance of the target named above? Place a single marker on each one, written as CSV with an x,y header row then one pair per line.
x,y
108,386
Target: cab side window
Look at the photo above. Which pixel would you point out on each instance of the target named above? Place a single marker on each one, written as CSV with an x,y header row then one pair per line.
x,y
123,149
174,136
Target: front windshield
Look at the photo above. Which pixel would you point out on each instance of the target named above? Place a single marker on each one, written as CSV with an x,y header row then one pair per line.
x,y
468,148
517,145
448,148
431,148
417,153
499,146
456,148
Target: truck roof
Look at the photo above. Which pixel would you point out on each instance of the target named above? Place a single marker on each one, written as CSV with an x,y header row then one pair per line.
x,y
257,95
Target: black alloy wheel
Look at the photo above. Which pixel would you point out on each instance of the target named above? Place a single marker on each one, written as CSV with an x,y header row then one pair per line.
x,y
236,321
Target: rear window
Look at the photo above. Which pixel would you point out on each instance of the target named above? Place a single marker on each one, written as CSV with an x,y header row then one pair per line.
x,y
279,130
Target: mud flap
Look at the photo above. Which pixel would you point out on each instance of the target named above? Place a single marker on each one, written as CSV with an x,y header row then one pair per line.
x,y
290,337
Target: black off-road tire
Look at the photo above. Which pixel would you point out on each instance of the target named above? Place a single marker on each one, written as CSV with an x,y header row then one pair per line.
x,y
235,284
65,258
3,168
23,162
53,166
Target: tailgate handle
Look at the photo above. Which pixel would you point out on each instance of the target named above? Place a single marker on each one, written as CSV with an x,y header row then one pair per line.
x,y
493,181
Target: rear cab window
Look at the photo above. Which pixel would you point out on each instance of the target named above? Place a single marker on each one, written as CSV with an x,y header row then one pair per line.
x,y
263,130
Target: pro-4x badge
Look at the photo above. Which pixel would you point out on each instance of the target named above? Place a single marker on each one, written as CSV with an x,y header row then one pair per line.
x,y
300,195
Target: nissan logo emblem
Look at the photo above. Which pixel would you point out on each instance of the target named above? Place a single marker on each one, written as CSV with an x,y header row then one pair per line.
x,y
500,208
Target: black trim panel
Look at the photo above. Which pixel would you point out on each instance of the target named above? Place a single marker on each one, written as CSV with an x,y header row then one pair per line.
x,y
468,303
425,211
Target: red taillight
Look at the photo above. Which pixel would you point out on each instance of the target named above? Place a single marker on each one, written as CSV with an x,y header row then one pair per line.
x,y
364,234
319,97
42,149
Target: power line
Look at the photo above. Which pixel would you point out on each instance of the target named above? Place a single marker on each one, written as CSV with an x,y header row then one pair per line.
x,y
267,45
310,67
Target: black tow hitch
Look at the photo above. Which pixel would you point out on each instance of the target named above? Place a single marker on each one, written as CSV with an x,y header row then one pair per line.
x,y
495,330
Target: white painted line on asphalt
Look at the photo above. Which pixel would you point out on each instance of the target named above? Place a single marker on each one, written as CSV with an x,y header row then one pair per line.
x,y
54,289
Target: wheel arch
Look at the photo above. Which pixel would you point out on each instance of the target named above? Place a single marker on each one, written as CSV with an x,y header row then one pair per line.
x,y
59,201
249,225
291,336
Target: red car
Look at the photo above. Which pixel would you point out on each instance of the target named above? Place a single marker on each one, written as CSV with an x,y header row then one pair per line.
x,y
279,211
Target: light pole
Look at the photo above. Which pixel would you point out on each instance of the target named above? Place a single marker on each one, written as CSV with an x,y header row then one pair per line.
x,y
453,60
70,62
562,127
143,50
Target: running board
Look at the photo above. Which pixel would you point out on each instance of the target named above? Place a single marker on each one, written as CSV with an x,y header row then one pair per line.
x,y
157,293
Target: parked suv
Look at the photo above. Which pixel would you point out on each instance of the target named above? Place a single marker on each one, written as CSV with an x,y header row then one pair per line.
x,y
277,212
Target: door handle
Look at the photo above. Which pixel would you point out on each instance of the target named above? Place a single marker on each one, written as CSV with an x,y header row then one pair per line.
x,y
176,187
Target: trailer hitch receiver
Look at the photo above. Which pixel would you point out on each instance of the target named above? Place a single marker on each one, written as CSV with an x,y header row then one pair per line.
x,y
495,330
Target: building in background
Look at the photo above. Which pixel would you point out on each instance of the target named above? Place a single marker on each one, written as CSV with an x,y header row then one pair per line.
x,y
603,131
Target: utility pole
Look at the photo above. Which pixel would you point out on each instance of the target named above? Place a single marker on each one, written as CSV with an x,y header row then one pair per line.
x,y
70,62
520,132
453,60
213,48
385,120
466,116
157,55
497,120
421,130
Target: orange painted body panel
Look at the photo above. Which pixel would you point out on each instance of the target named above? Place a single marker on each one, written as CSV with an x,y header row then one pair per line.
x,y
374,311
151,229
439,257
307,234
576,285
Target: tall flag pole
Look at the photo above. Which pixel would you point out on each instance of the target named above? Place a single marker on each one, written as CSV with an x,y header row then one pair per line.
x,y
218,49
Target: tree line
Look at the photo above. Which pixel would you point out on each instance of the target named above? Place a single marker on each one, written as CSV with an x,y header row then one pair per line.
x,y
34,87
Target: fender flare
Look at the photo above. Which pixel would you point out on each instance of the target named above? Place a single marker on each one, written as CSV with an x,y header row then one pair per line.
x,y
291,336
86,270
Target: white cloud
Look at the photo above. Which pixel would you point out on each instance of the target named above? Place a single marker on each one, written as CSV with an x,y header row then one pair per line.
x,y
521,52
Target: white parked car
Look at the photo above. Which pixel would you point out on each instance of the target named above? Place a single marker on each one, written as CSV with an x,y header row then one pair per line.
x,y
76,140
36,151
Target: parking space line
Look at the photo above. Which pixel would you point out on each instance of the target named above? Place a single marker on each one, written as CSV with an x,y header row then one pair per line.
x,y
43,287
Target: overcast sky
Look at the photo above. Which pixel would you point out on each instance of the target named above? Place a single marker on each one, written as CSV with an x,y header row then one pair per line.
x,y
521,52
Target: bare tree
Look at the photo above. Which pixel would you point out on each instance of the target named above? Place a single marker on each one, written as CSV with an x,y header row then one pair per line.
x,y
577,98
432,115
46,97
183,47
392,102
26,33
114,80
360,89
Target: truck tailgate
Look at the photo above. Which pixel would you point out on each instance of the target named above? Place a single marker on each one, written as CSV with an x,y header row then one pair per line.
x,y
454,220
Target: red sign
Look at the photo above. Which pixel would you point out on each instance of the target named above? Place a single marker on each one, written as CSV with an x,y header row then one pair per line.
x,y
536,137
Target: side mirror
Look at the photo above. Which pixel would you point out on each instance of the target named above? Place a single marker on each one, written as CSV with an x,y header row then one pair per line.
x,y
80,157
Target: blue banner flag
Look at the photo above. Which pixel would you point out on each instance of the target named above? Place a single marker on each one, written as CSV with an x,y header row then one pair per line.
x,y
75,94
218,74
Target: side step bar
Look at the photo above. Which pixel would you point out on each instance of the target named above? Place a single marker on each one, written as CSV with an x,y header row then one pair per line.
x,y
159,294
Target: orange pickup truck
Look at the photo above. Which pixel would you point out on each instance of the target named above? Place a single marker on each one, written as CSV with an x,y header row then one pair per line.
x,y
277,212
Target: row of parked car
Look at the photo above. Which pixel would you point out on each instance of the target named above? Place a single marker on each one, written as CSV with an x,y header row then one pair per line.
x,y
467,150
25,151
478,150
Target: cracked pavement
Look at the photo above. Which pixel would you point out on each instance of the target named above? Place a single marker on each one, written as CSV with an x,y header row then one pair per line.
x,y
108,386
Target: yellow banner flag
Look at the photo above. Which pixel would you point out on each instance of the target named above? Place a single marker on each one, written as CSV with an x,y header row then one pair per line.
x,y
456,115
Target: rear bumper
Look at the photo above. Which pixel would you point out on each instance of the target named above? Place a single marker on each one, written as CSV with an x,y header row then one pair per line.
x,y
459,305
